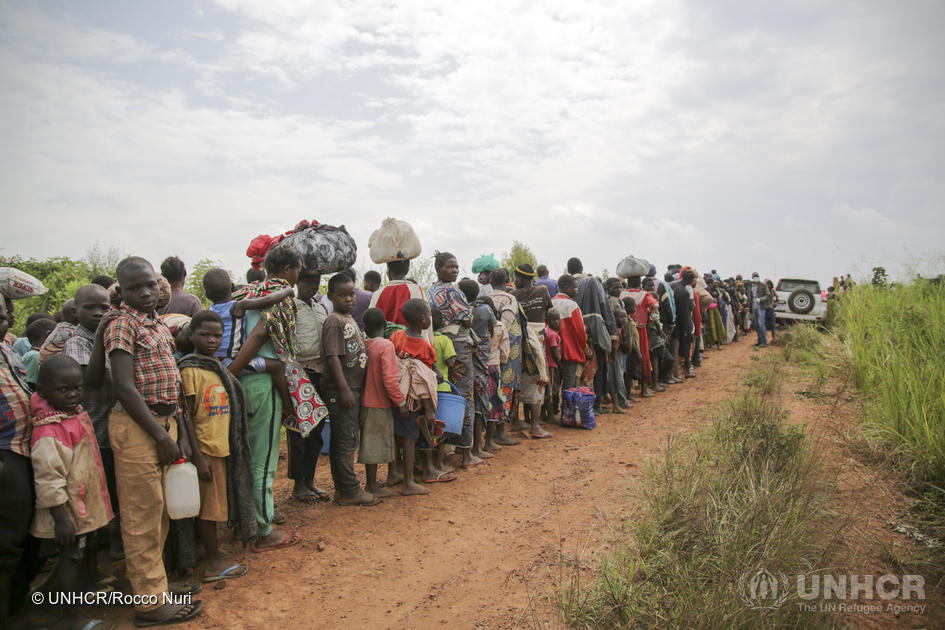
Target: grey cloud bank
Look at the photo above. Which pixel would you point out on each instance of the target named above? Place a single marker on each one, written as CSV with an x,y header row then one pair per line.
x,y
802,139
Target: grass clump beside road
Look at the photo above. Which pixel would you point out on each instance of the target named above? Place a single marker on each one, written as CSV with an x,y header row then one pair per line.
x,y
743,495
896,341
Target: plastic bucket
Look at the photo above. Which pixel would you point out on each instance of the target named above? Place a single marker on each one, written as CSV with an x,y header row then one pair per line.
x,y
451,409
326,437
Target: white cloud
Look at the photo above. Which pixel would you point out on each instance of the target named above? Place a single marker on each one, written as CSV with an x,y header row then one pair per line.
x,y
718,135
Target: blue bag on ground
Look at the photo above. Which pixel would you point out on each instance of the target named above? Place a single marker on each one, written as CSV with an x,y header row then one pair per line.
x,y
578,408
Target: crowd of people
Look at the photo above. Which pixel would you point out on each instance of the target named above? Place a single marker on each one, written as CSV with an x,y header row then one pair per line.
x,y
133,374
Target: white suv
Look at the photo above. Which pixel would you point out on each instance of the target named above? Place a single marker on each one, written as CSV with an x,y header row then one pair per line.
x,y
799,299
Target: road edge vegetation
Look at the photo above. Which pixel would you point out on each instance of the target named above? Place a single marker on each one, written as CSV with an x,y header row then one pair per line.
x,y
745,494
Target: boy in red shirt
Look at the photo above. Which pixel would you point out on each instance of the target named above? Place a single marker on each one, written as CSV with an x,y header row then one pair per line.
x,y
381,393
410,343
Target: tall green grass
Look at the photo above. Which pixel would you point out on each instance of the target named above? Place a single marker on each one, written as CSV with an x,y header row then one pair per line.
x,y
745,494
896,339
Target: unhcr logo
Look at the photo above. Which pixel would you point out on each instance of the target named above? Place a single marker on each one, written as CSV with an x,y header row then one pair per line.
x,y
763,589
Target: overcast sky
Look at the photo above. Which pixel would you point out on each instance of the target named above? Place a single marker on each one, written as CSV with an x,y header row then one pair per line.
x,y
803,138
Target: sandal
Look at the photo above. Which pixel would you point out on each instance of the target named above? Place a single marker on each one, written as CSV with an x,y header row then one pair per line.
x,y
185,613
235,571
441,478
290,539
277,517
310,499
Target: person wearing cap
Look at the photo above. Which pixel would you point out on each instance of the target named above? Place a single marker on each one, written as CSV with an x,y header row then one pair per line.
x,y
760,302
534,301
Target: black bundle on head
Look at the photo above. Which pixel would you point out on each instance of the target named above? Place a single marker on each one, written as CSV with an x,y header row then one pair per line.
x,y
173,269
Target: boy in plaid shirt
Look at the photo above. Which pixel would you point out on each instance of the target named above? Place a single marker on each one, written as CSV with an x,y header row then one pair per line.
x,y
143,435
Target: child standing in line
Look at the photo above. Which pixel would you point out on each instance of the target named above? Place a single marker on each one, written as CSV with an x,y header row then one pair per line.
x,y
381,393
219,290
209,404
72,499
87,347
498,356
573,331
144,436
410,344
63,331
631,343
553,358
36,334
303,452
448,365
483,324
344,355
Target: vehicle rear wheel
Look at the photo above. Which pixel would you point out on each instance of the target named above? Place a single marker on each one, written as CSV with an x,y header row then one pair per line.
x,y
801,301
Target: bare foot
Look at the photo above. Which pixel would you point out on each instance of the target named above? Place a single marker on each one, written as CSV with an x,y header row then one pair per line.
x,y
379,491
492,446
506,440
394,479
517,425
617,409
412,487
470,460
215,567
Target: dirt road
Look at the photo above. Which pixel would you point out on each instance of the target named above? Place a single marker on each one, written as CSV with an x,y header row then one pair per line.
x,y
487,550
474,552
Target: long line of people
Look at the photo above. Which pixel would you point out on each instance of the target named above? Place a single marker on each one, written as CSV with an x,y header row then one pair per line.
x,y
136,375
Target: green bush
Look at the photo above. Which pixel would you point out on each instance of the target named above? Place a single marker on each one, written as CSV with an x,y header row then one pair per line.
x,y
62,277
